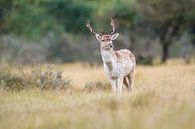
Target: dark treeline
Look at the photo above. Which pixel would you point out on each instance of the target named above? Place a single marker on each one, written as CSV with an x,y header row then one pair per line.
x,y
54,30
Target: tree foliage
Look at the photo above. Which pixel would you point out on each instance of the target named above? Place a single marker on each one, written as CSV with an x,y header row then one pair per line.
x,y
164,20
70,14
36,18
169,19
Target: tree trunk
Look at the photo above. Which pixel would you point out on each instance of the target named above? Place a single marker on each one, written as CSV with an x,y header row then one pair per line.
x,y
165,52
132,41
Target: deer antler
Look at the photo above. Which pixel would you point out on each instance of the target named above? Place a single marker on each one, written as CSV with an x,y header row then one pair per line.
x,y
90,28
113,26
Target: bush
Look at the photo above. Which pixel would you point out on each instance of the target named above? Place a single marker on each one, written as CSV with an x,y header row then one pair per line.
x,y
43,78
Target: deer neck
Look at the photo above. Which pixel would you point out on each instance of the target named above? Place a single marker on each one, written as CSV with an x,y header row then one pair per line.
x,y
108,58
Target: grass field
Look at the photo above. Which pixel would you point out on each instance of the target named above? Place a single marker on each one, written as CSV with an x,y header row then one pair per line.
x,y
163,97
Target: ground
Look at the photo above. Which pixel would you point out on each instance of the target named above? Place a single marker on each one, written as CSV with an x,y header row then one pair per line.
x,y
163,97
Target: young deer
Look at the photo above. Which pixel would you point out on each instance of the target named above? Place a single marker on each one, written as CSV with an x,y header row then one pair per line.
x,y
118,65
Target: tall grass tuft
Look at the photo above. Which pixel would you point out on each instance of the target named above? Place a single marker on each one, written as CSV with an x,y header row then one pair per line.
x,y
97,85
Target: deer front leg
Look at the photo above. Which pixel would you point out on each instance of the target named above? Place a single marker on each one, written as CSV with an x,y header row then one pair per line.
x,y
113,85
120,84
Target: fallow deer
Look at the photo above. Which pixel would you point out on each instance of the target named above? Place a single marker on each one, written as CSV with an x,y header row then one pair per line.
x,y
118,65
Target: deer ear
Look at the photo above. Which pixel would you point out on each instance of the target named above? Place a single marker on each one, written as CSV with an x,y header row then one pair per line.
x,y
114,36
98,37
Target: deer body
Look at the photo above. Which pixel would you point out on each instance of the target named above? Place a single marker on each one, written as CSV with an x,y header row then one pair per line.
x,y
118,65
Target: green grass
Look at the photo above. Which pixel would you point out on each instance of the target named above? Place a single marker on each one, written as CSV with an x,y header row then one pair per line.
x,y
163,98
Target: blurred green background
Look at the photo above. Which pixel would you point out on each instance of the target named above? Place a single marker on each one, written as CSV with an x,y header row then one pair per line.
x,y
54,30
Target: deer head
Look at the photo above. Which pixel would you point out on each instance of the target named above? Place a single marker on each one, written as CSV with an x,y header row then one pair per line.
x,y
106,40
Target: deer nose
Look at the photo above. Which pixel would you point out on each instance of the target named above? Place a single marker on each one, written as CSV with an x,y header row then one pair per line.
x,y
111,45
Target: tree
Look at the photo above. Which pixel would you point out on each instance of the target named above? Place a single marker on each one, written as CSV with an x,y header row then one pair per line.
x,y
34,19
168,18
5,7
71,14
126,15
133,25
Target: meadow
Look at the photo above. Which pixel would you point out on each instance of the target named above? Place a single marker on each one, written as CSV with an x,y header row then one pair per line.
x,y
163,97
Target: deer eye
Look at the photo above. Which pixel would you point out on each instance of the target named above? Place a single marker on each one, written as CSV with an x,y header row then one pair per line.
x,y
103,40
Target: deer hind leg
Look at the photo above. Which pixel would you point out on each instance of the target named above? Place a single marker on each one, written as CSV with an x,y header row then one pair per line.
x,y
126,82
130,80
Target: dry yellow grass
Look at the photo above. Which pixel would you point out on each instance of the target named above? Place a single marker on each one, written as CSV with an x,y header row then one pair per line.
x,y
163,97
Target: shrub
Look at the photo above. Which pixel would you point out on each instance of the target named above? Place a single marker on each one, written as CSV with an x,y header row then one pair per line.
x,y
45,78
